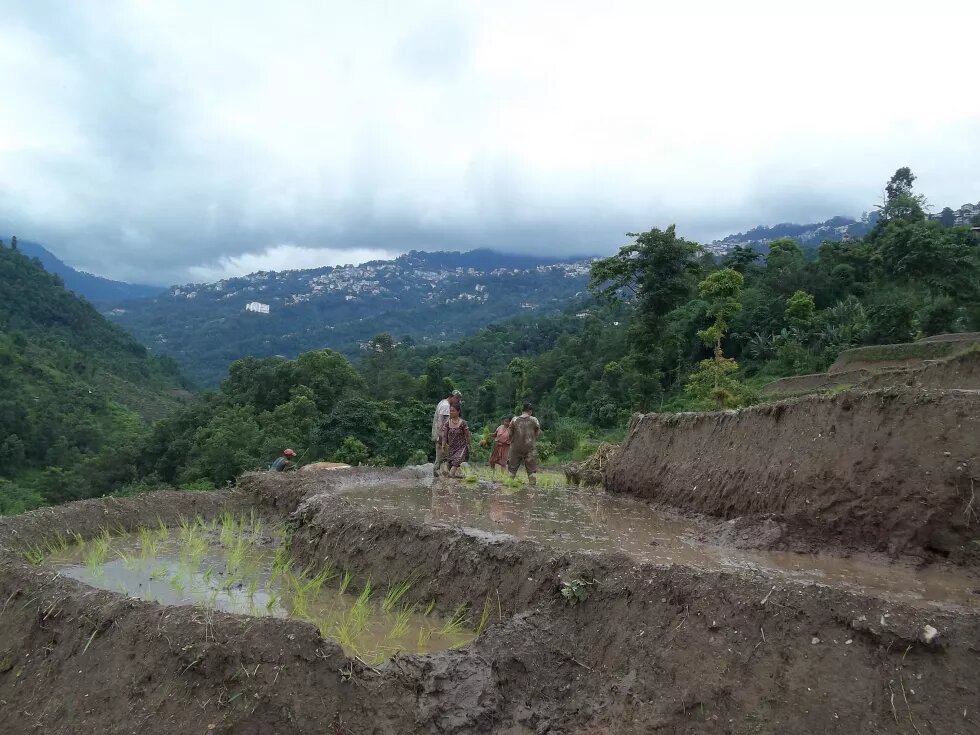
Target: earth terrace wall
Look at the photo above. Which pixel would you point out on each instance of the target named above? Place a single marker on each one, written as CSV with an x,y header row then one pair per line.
x,y
665,649
894,471
652,648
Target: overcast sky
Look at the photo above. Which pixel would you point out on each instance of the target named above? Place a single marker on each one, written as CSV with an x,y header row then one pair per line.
x,y
163,141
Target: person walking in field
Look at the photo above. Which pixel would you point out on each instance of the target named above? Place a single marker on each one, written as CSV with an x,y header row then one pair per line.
x,y
501,438
456,441
524,430
439,423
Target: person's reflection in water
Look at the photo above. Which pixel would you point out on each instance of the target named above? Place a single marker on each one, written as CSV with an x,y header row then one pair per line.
x,y
445,505
511,513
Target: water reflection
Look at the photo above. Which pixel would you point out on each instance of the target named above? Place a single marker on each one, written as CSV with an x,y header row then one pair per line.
x,y
593,521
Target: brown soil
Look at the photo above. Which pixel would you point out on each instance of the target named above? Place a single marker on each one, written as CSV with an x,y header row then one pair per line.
x,y
652,649
814,382
883,471
960,371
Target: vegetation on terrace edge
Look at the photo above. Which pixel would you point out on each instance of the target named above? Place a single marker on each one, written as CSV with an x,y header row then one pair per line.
x,y
670,328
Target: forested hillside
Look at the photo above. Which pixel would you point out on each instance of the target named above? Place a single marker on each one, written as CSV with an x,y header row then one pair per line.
x,y
74,389
94,288
422,296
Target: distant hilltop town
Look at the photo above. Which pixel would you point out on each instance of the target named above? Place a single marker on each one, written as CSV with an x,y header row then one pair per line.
x,y
842,229
370,279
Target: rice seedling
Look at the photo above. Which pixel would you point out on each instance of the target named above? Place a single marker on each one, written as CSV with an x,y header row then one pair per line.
x,y
252,588
129,560
394,595
272,602
97,551
399,626
313,585
149,544
485,616
34,555
177,584
79,540
229,529
456,622
422,642
360,612
345,581
429,608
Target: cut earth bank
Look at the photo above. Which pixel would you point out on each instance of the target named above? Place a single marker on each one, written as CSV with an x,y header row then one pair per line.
x,y
652,648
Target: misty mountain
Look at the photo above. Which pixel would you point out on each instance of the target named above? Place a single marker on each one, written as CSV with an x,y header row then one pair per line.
x,y
93,288
808,236
423,297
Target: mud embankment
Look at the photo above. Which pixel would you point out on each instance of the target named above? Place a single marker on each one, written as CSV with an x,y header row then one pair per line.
x,y
651,648
961,371
883,471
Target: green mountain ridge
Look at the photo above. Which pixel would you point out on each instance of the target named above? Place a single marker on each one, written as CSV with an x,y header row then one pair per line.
x,y
94,288
71,385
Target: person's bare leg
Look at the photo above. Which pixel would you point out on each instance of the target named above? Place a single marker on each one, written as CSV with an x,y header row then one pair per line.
x,y
439,458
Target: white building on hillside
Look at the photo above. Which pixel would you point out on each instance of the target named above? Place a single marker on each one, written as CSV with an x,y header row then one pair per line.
x,y
256,307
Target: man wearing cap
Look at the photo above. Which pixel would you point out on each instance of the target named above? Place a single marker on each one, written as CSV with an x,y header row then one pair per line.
x,y
439,423
284,462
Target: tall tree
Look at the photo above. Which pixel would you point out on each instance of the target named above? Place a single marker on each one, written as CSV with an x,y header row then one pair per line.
x,y
722,290
659,270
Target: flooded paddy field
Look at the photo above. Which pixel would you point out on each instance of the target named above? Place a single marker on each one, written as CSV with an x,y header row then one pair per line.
x,y
239,564
575,520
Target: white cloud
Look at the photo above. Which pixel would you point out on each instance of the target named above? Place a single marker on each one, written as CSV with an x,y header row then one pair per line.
x,y
284,257
214,131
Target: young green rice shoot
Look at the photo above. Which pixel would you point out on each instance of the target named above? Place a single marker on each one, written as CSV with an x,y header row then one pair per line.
x,y
456,623
394,595
485,615
345,581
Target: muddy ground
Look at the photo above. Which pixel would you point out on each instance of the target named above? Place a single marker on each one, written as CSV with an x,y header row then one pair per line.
x,y
888,471
652,648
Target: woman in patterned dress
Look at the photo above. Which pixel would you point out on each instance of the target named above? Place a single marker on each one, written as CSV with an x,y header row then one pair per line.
x,y
455,441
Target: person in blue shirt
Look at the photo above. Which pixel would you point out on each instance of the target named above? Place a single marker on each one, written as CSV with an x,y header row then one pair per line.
x,y
283,462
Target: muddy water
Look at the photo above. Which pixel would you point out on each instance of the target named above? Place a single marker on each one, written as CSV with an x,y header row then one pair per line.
x,y
249,585
575,520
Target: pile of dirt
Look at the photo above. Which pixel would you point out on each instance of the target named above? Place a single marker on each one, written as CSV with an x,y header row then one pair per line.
x,y
663,649
892,471
591,472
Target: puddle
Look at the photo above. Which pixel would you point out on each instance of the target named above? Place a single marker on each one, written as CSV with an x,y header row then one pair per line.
x,y
239,566
593,521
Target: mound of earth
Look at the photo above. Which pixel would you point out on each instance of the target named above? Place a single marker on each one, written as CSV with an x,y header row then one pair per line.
x,y
959,371
883,471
